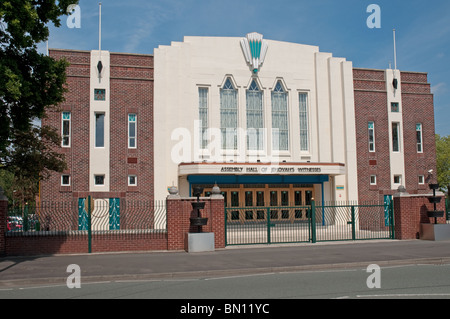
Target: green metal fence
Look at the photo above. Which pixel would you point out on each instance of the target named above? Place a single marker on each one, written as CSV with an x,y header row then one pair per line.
x,y
88,216
261,225
297,224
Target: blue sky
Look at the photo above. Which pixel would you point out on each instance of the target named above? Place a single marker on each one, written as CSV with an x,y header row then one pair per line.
x,y
339,27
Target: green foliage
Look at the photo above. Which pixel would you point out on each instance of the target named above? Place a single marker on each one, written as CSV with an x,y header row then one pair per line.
x,y
443,161
30,84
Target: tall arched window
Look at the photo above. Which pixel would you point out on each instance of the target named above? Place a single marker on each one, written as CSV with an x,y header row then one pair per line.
x,y
203,116
228,115
280,124
304,130
255,118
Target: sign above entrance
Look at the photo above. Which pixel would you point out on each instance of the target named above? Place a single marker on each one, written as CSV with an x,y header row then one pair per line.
x,y
255,49
262,169
269,169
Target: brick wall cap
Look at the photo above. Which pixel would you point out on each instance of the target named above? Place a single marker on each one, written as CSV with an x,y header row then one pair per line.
x,y
438,194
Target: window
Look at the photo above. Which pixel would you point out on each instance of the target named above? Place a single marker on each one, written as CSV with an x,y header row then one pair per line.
x,y
303,110
132,180
397,179
132,131
373,179
395,137
228,115
280,128
99,94
99,130
395,107
419,138
255,119
65,180
371,137
65,134
421,179
99,180
203,116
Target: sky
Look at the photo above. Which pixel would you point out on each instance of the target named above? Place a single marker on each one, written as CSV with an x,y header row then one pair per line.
x,y
339,27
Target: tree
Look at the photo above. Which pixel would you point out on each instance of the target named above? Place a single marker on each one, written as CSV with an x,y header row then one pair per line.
x,y
30,84
33,158
443,162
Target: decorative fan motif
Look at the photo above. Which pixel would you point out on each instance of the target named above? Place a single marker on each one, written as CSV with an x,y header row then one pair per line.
x,y
255,49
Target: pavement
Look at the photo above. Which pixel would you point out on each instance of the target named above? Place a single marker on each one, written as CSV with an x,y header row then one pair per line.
x,y
231,261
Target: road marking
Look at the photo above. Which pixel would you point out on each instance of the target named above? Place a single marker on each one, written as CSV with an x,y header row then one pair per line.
x,y
240,276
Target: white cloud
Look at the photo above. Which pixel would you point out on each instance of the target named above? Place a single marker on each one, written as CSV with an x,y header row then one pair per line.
x,y
439,88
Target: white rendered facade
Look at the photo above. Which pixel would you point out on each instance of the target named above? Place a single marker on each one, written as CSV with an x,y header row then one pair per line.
x,y
205,64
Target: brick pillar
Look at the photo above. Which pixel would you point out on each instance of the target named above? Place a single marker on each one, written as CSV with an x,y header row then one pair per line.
x,y
179,211
410,211
3,221
217,220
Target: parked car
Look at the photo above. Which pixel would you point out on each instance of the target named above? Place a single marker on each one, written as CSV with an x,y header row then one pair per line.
x,y
15,223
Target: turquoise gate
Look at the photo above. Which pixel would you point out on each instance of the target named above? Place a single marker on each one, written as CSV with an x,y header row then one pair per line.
x,y
300,224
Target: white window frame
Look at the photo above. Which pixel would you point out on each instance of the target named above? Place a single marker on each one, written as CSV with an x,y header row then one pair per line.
x,y
229,131
255,135
282,113
399,178
130,138
373,179
421,179
398,137
129,180
95,121
419,128
95,180
62,180
371,144
63,120
203,109
304,144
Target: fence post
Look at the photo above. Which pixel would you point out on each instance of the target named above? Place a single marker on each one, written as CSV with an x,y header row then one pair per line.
x,y
89,225
353,223
313,221
226,223
391,218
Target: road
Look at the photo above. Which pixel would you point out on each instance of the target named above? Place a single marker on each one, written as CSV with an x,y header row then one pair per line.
x,y
407,281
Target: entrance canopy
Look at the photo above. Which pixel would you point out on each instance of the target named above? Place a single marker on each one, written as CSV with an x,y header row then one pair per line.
x,y
263,172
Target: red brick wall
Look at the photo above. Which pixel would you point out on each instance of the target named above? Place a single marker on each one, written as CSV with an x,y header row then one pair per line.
x,y
180,210
132,92
77,102
371,105
131,86
410,212
18,245
418,107
178,224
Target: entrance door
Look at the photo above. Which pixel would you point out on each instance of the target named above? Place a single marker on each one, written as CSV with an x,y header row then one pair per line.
x,y
302,200
252,203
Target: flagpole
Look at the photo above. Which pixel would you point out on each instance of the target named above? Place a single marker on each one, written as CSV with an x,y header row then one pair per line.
x,y
100,29
395,53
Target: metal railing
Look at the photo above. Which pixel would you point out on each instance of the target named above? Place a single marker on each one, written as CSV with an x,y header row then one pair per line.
x,y
294,224
81,216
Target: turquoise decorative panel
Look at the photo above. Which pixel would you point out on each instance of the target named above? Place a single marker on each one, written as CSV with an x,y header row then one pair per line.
x,y
114,213
83,223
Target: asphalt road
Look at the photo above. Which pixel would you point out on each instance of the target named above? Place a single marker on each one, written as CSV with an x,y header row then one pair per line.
x,y
395,282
